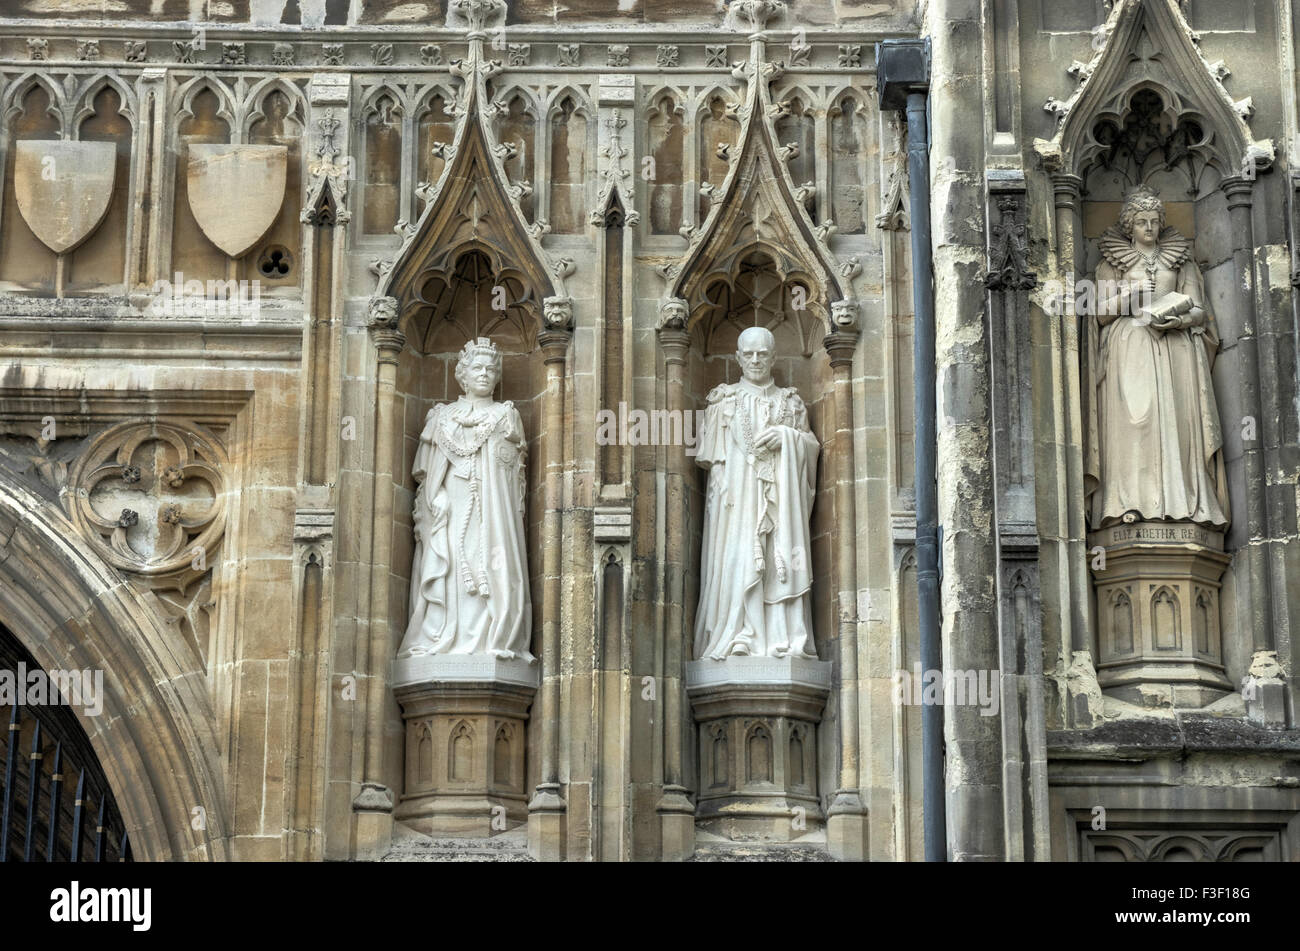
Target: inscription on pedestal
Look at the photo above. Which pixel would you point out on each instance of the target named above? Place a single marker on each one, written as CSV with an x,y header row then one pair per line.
x,y
1158,533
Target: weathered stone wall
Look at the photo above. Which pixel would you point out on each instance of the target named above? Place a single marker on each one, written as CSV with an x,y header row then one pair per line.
x,y
620,165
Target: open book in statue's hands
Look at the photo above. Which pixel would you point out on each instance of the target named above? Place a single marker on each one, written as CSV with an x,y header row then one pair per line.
x,y
1163,314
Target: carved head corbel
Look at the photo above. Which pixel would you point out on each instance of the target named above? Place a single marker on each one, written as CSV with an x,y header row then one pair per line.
x,y
382,314
557,312
844,314
672,314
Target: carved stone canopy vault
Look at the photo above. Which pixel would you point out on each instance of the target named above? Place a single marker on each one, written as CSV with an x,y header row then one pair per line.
x,y
1150,89
756,289
468,292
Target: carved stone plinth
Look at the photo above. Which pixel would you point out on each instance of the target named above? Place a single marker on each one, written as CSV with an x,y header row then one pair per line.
x,y
465,718
757,719
1159,642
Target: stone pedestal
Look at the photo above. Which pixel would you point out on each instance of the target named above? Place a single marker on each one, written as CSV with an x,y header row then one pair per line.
x,y
1159,642
757,719
465,717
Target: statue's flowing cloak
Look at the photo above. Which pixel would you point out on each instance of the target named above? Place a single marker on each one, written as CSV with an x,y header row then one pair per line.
x,y
1163,382
755,560
463,532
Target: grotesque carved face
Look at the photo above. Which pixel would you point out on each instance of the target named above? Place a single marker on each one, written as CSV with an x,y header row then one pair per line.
x,y
756,352
479,375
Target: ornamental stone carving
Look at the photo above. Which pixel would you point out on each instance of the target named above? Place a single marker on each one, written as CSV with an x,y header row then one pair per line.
x,y
150,496
558,312
673,313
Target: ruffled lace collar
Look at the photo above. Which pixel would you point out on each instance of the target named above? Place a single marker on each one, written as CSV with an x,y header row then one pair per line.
x,y
1172,249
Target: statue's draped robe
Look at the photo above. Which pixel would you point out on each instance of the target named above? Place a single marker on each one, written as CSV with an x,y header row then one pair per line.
x,y
755,561
469,580
1155,443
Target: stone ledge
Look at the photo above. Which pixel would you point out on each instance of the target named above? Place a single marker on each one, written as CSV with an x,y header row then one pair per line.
x,y
799,671
463,668
1185,733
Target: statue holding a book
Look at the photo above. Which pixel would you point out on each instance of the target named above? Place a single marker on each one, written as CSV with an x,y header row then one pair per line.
x,y
1155,447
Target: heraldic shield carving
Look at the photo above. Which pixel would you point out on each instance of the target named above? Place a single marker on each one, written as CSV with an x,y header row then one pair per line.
x,y
64,188
236,192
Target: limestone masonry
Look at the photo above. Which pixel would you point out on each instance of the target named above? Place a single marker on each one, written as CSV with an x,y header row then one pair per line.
x,y
499,430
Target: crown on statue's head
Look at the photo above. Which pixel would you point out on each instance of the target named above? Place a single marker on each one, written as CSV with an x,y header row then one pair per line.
x,y
483,346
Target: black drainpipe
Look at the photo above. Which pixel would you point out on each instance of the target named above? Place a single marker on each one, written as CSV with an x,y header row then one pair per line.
x,y
903,78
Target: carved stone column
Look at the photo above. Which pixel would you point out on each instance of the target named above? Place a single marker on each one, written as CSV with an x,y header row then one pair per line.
x,y
1061,546
373,806
546,810
964,467
1265,694
846,818
676,813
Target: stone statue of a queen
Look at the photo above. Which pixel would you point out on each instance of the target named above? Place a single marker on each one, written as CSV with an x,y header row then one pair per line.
x,y
1155,443
469,578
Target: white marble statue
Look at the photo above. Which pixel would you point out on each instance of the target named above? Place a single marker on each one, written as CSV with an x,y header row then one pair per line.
x,y
469,579
755,562
1155,447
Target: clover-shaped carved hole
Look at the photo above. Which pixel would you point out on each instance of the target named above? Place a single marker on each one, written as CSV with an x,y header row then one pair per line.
x,y
275,262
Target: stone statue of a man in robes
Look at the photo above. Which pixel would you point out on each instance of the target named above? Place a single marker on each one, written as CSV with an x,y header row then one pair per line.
x,y
1155,446
755,562
469,579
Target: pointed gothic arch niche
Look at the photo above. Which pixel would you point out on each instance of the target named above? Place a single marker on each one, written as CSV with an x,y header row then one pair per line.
x,y
907,658
32,112
761,285
278,119
467,292
206,118
471,269
717,125
569,134
798,126
667,146
434,124
516,127
1151,138
850,141
382,184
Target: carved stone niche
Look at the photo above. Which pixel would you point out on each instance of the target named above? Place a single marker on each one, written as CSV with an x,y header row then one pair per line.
x,y
757,719
465,719
1158,613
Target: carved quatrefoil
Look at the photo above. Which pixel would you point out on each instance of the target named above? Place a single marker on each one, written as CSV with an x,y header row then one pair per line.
x,y
149,496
